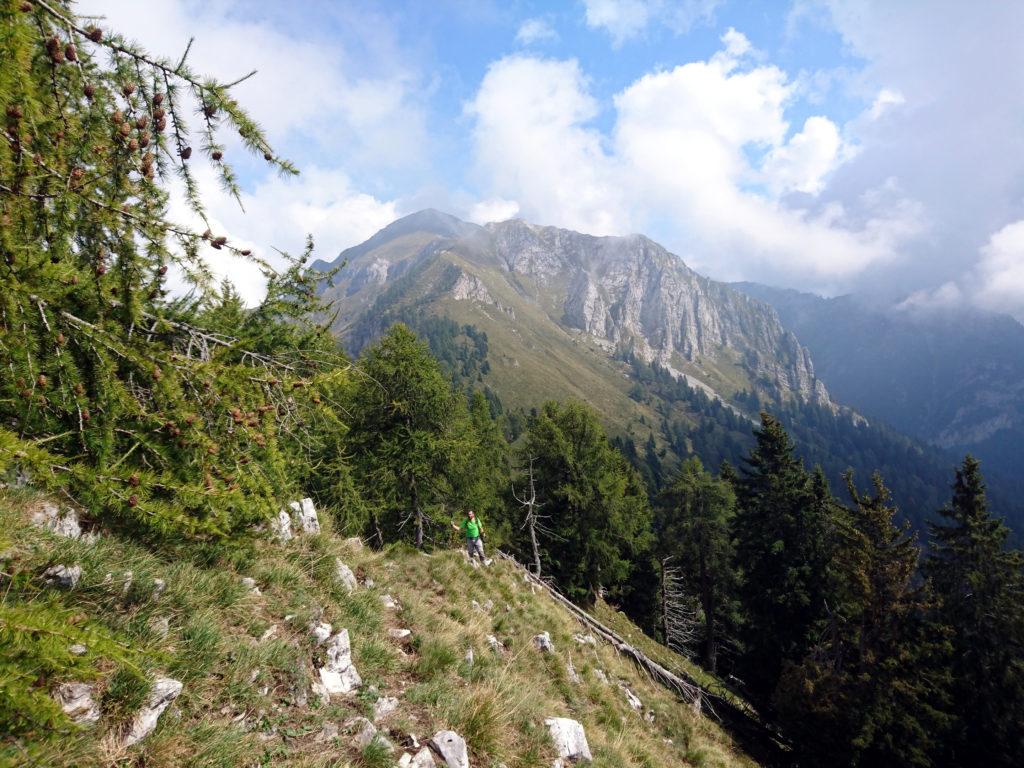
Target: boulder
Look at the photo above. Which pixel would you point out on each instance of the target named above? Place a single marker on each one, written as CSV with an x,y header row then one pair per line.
x,y
338,674
321,631
569,738
543,642
452,749
77,702
600,675
159,585
388,602
64,576
570,670
423,759
585,639
160,626
328,732
250,583
164,691
383,707
344,576
365,732
399,634
305,514
496,645
63,522
469,658
282,526
354,543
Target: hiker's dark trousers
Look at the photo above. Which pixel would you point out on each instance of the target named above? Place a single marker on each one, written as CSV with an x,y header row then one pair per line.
x,y
475,547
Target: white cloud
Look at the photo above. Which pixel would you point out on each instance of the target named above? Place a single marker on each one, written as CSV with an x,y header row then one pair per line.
x,y
626,19
1001,271
803,162
535,30
278,214
495,209
700,155
946,296
532,144
884,101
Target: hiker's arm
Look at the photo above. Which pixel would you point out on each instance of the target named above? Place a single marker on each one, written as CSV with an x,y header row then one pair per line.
x,y
455,527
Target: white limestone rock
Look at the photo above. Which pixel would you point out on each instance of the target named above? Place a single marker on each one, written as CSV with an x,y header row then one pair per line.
x,y
543,642
365,732
64,576
77,702
77,649
496,645
321,631
399,634
585,639
383,707
570,670
632,699
388,602
338,674
452,749
160,626
570,739
423,759
469,658
282,526
164,691
62,522
159,585
304,513
344,575
250,583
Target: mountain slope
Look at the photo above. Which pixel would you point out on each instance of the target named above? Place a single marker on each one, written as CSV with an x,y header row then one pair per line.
x,y
953,378
247,658
572,290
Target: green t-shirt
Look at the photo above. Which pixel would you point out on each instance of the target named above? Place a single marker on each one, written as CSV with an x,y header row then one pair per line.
x,y
471,528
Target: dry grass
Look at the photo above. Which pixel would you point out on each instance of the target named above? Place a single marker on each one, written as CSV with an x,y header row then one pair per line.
x,y
243,698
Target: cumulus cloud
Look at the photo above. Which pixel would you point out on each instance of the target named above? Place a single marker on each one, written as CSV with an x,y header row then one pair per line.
x,y
701,155
626,19
495,209
536,30
1001,271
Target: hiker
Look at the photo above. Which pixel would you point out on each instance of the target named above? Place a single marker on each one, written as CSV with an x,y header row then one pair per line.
x,y
473,530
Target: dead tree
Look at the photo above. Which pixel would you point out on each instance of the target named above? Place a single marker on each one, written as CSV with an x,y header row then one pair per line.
x,y
531,521
678,616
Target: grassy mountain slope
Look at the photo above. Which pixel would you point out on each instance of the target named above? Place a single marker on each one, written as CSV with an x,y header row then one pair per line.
x,y
245,658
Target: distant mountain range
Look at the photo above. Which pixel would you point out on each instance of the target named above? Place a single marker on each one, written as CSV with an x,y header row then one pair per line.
x,y
954,378
676,363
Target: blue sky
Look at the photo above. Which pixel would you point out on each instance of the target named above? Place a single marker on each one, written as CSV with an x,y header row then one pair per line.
x,y
868,146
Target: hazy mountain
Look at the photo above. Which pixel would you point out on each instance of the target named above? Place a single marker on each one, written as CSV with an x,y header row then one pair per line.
x,y
954,378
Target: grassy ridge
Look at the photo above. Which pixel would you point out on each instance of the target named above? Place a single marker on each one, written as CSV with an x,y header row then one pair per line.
x,y
246,659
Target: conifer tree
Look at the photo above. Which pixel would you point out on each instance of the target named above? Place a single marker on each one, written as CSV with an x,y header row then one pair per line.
x,y
408,435
978,581
597,510
110,391
872,690
780,529
692,526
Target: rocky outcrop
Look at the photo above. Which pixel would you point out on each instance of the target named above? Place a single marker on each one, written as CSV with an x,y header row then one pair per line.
x,y
344,576
164,691
338,674
452,749
570,739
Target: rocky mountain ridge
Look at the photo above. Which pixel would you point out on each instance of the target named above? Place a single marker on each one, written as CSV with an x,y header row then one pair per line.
x,y
621,293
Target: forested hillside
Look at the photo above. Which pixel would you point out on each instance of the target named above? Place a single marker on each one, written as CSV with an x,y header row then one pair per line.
x,y
225,543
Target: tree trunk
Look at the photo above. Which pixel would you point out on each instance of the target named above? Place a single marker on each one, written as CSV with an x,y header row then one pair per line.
x,y
418,512
536,547
664,606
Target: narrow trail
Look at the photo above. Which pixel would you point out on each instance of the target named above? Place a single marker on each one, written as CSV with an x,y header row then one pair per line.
x,y
758,740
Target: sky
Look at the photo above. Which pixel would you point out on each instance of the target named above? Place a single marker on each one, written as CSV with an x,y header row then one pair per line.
x,y
871,147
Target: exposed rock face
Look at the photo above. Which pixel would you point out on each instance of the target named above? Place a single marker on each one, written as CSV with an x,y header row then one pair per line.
x,y
471,288
77,702
631,291
570,739
452,749
164,691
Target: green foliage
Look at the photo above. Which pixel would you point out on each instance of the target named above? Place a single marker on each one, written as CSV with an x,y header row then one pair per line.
x,y
980,586
780,530
873,690
598,519
153,421
693,521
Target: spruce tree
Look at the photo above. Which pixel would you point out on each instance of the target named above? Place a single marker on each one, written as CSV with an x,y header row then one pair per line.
x,y
597,515
409,436
692,528
780,531
979,583
872,691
